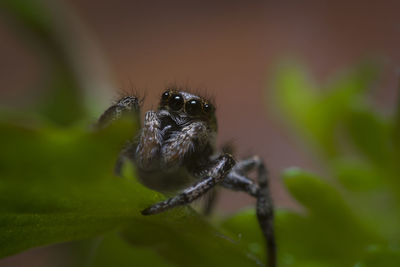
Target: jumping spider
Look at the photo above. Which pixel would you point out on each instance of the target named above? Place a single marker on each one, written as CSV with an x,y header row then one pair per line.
x,y
175,150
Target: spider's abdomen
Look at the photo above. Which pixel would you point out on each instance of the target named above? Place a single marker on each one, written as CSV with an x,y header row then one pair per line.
x,y
166,182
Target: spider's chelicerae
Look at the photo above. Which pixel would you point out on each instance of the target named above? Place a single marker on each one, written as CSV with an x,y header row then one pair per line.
x,y
175,150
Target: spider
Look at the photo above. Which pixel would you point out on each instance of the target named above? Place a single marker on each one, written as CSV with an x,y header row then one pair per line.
x,y
175,151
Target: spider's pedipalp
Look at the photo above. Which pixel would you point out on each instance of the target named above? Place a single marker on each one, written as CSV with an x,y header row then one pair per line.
x,y
149,142
182,143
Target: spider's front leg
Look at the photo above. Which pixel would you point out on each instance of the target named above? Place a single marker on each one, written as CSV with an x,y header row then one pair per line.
x,y
126,106
129,107
213,176
237,180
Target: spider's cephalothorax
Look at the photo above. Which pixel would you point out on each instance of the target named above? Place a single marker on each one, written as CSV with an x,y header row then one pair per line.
x,y
175,150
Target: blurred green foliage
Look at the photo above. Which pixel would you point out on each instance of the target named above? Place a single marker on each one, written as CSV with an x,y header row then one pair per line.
x,y
352,216
56,181
44,30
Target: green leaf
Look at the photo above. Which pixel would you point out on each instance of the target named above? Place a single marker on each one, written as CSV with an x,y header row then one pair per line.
x,y
382,255
244,229
357,176
112,250
371,136
318,113
328,215
57,185
297,245
194,243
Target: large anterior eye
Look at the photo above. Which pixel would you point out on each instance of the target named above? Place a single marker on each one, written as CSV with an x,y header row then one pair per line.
x,y
176,102
193,107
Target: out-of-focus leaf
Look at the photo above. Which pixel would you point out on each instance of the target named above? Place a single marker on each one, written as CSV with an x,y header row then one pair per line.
x,y
371,136
318,197
245,230
56,185
330,217
382,255
112,250
319,113
295,92
352,226
195,243
63,100
31,14
302,103
298,244
351,83
357,176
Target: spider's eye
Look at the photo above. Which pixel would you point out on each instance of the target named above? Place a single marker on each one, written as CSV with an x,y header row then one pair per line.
x,y
193,107
176,102
208,108
164,98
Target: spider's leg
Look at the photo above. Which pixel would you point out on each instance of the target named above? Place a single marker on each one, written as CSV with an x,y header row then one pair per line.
x,y
243,167
236,180
128,105
210,201
265,212
127,153
214,176
212,196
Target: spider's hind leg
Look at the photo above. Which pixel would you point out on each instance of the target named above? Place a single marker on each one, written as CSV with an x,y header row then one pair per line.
x,y
237,180
210,201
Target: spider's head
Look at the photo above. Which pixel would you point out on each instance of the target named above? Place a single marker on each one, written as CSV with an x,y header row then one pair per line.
x,y
188,107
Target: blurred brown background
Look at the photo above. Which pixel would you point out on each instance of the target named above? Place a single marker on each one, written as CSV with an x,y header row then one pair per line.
x,y
228,49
